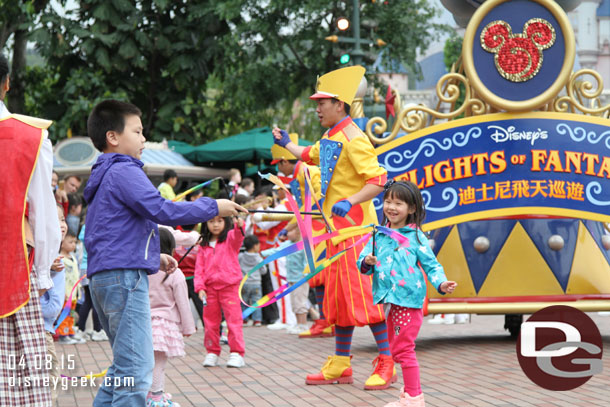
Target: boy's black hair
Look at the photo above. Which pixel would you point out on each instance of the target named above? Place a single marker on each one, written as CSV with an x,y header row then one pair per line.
x,y
4,68
74,199
166,241
108,115
69,233
409,193
206,235
169,174
346,107
250,241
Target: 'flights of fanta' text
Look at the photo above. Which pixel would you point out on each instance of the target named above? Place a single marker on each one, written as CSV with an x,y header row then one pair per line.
x,y
496,162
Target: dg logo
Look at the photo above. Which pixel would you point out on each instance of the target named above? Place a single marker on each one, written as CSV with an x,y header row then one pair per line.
x,y
518,54
560,348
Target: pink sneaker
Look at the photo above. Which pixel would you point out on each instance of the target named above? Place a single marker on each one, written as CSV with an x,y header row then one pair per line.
x,y
407,401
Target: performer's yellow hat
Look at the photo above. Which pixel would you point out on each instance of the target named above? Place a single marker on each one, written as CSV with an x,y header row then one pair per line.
x,y
280,153
340,84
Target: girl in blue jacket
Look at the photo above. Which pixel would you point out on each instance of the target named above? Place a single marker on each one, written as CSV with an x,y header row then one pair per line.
x,y
399,282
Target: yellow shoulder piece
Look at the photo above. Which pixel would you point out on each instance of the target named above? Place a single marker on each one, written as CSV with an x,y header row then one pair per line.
x,y
33,121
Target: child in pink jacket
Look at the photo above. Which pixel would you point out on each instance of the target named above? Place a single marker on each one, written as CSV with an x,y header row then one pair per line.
x,y
171,320
217,278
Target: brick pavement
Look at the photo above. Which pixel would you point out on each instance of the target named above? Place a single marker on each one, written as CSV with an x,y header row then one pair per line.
x,y
461,365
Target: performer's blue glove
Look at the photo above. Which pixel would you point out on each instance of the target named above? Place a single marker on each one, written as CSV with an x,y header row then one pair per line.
x,y
283,142
342,207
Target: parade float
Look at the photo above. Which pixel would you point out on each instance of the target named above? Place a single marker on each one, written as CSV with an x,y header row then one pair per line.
x,y
513,165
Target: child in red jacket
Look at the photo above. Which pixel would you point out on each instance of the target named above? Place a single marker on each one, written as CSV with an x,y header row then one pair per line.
x,y
217,278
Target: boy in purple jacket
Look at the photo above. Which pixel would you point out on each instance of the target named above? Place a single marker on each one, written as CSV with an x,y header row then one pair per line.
x,y
122,243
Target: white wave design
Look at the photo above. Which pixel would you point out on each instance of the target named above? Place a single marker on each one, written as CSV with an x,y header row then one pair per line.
x,y
394,161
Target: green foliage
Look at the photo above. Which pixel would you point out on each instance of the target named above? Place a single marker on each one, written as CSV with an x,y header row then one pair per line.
x,y
201,69
452,50
451,54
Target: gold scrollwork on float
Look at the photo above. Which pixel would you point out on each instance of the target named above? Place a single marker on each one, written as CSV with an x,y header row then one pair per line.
x,y
579,91
415,118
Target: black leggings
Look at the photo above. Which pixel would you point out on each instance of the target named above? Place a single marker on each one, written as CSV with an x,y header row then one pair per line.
x,y
83,312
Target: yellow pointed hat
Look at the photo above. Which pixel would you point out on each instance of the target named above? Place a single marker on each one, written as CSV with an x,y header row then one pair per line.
x,y
280,153
340,84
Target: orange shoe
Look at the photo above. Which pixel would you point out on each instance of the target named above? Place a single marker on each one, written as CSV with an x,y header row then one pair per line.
x,y
337,369
383,375
319,329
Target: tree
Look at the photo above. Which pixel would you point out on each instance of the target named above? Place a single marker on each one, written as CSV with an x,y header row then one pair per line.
x,y
202,69
17,20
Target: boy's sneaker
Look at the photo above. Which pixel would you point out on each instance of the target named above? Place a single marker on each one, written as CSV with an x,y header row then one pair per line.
x,y
257,324
249,323
66,340
78,340
211,360
99,336
78,334
236,360
224,339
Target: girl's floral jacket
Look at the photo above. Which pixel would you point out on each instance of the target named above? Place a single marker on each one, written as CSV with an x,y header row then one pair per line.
x,y
397,279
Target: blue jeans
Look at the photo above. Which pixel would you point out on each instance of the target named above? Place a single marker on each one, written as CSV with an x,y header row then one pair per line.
x,y
120,298
252,293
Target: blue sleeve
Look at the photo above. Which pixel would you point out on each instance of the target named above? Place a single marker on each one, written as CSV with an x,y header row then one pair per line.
x,y
362,266
81,237
427,259
136,191
53,299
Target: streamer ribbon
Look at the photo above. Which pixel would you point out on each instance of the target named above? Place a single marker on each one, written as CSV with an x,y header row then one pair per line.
x,y
66,311
193,189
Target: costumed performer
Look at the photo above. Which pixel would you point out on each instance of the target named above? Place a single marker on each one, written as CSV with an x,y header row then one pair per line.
x,y
350,178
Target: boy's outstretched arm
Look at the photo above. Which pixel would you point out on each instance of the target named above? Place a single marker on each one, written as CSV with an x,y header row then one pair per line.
x,y
137,192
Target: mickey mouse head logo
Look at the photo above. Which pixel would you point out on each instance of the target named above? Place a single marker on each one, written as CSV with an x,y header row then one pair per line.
x,y
518,57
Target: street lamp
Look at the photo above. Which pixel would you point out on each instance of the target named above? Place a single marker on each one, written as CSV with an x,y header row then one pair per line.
x,y
343,24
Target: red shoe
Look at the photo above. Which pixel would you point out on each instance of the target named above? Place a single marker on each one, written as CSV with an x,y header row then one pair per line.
x,y
383,375
337,369
319,329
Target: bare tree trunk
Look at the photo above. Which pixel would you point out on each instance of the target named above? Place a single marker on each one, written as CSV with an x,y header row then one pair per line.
x,y
16,100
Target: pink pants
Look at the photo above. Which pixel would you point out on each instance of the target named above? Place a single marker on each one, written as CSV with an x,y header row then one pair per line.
x,y
225,300
403,327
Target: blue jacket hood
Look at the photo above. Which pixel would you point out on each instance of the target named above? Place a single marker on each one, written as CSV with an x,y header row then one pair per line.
x,y
99,169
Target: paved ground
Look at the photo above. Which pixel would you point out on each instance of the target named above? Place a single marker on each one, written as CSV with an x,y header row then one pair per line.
x,y
461,365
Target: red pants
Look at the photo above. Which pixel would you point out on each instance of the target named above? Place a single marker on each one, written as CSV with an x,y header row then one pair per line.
x,y
225,300
403,327
348,294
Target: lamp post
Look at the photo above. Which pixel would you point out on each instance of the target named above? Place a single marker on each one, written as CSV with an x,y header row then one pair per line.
x,y
356,51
